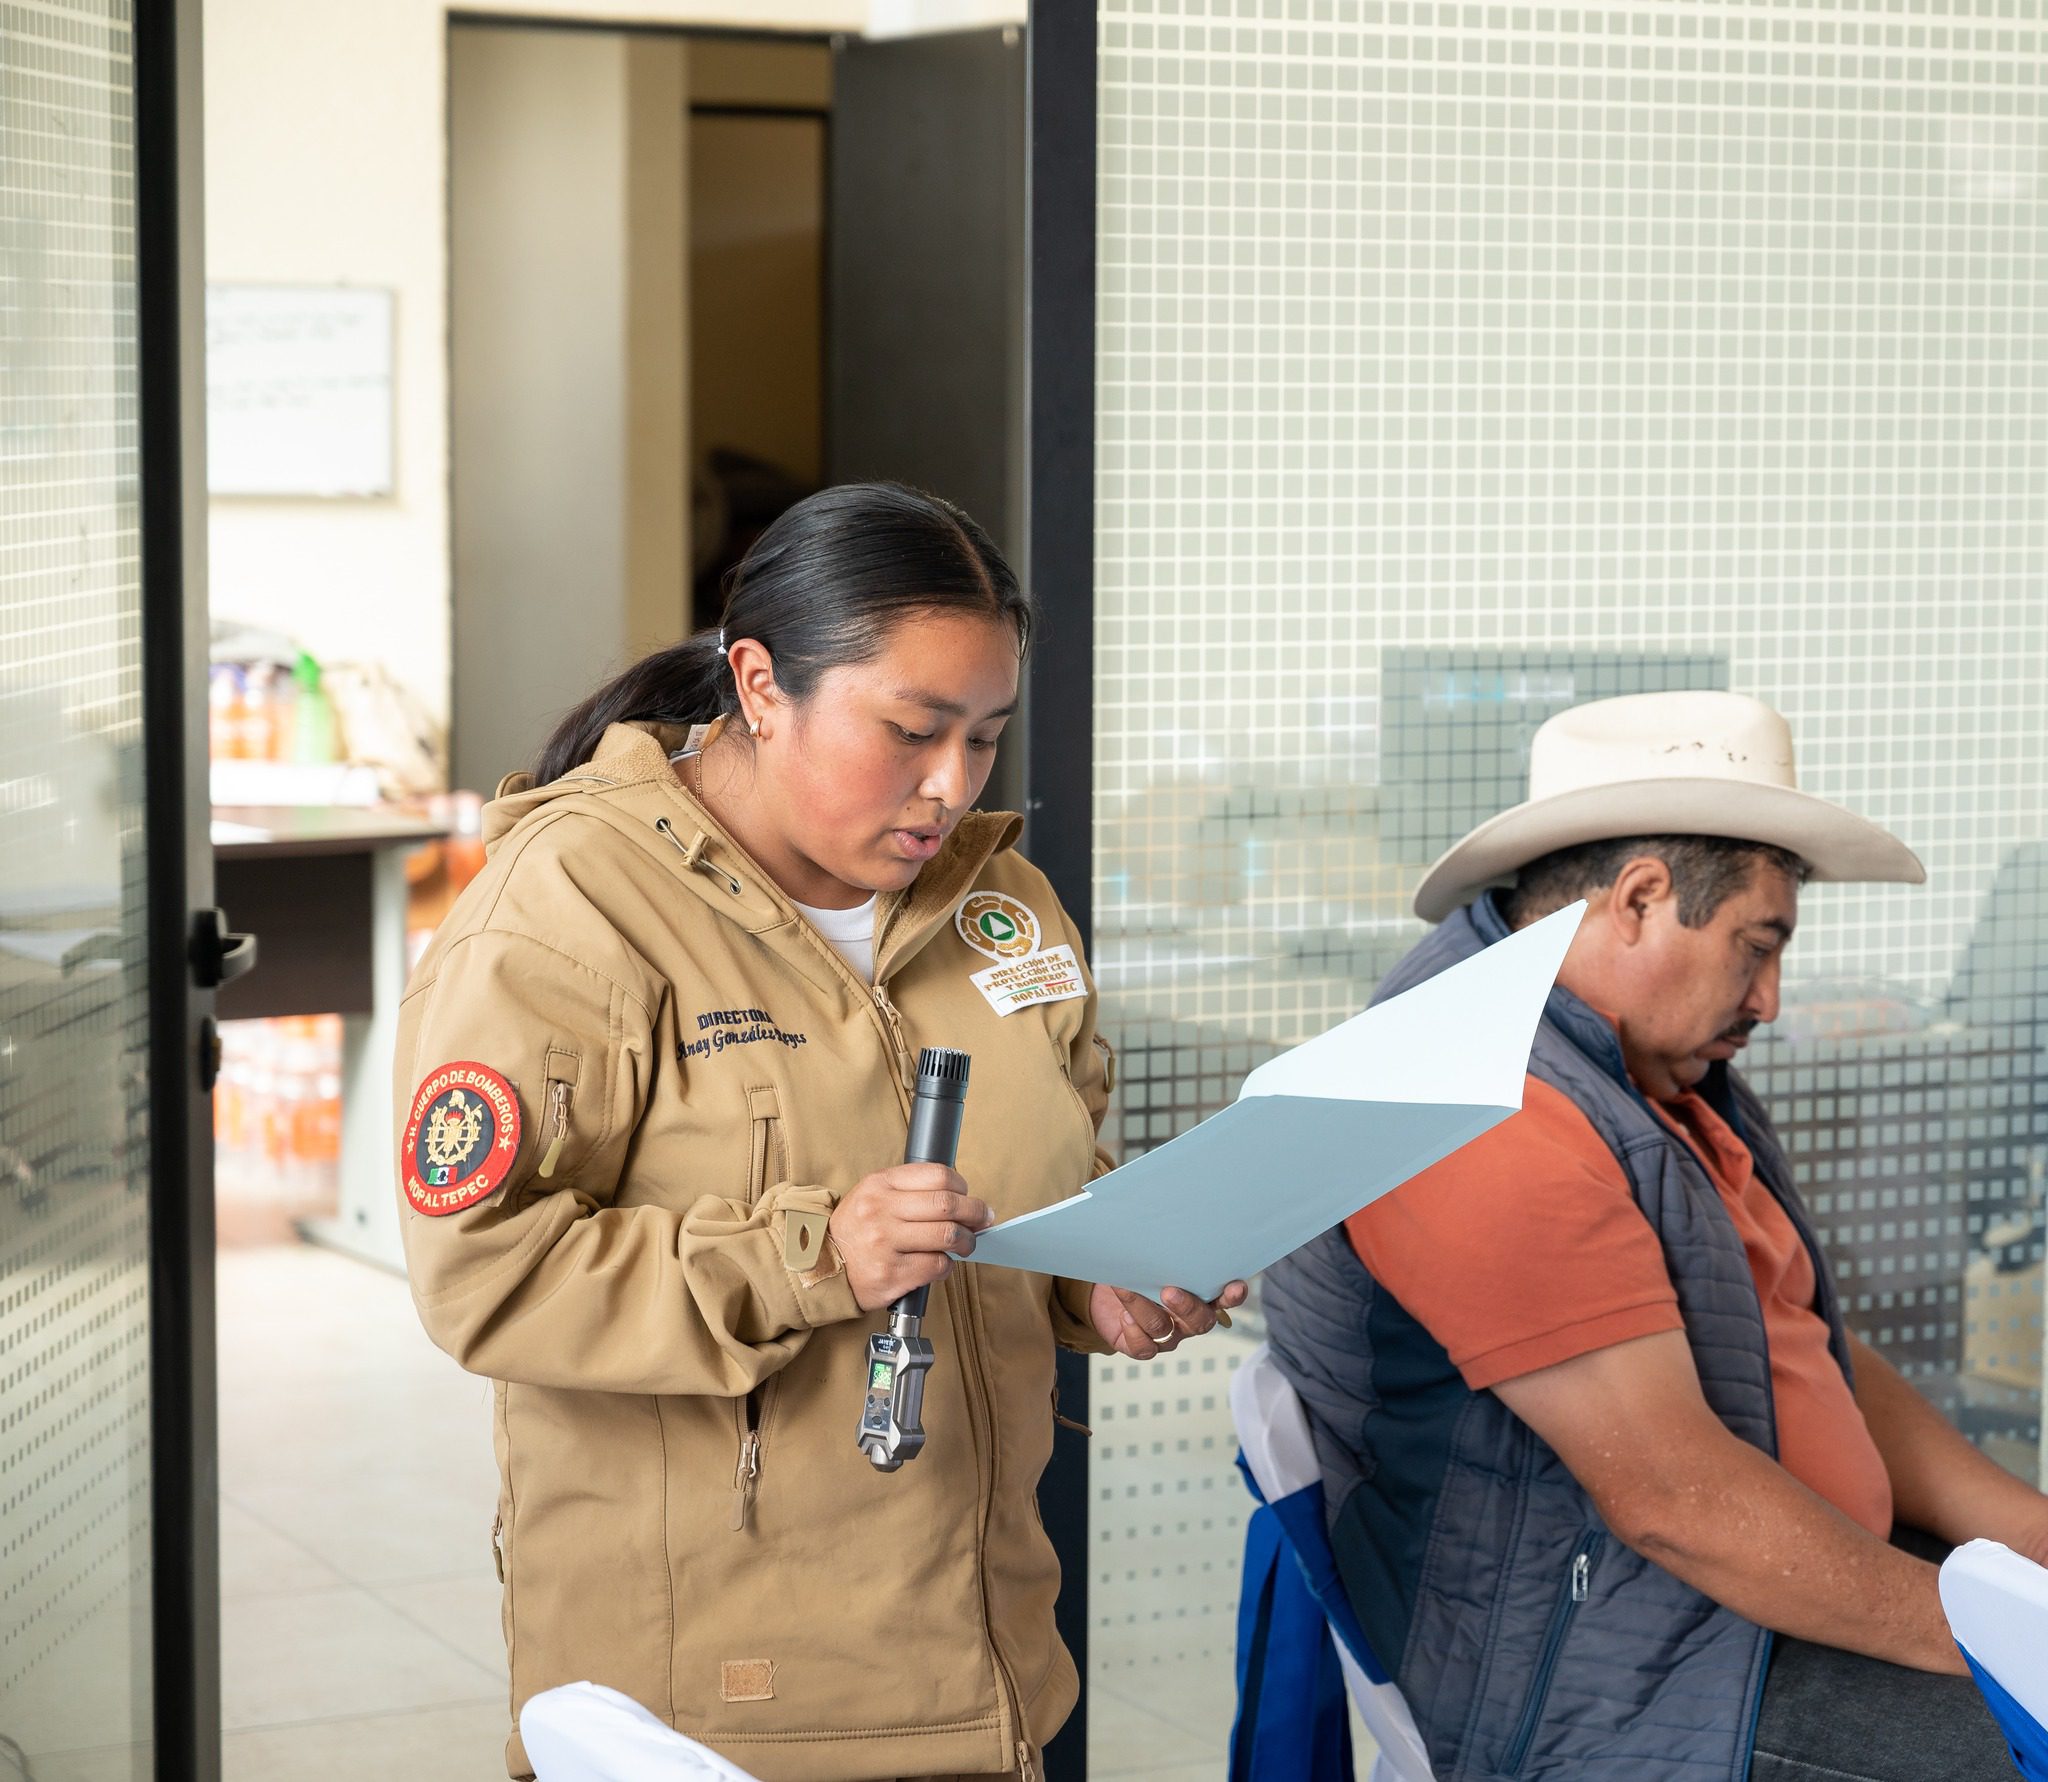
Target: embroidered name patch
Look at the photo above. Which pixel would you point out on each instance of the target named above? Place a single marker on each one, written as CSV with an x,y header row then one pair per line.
x,y
1051,976
719,1030
461,1139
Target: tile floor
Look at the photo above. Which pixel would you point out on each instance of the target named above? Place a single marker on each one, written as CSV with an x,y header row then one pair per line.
x,y
360,1629
359,1603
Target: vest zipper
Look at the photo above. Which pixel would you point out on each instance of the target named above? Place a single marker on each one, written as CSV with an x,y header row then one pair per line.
x,y
1026,1770
1578,1586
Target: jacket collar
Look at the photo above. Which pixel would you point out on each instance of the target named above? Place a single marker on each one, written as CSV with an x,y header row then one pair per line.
x,y
635,759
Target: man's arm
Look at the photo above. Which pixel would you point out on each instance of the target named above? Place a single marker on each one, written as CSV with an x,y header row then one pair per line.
x,y
1940,1482
1673,1482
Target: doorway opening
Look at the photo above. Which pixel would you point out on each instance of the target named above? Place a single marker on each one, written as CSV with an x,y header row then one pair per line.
x,y
691,276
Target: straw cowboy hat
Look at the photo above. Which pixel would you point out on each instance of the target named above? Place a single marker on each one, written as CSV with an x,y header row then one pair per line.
x,y
1665,764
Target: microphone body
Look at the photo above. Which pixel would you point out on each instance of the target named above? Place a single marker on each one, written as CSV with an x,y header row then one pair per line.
x,y
891,1420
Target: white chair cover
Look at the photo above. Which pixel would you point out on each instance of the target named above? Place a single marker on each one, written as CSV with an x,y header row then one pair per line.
x,y
584,1732
1997,1607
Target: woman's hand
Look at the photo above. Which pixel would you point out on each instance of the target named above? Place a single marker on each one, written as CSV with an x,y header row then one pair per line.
x,y
1141,1328
901,1228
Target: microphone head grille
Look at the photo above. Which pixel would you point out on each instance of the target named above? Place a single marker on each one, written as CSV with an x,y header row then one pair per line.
x,y
942,1068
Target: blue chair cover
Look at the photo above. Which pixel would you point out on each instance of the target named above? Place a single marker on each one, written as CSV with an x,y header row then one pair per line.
x,y
1285,1653
2024,1735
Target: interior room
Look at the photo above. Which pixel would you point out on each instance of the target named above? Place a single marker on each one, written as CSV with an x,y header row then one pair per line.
x,y
1361,393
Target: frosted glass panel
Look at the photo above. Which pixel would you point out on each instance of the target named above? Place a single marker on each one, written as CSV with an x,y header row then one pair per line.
x,y
74,1324
1462,362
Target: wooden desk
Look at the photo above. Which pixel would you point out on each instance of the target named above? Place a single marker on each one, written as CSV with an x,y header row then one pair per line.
x,y
323,890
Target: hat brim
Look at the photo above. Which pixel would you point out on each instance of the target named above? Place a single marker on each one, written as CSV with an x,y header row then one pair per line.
x,y
1838,845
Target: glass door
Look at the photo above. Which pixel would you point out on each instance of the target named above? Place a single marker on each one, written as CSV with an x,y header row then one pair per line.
x,y
104,1452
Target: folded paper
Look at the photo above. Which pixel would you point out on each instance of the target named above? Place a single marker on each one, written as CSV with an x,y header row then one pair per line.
x,y
1313,1136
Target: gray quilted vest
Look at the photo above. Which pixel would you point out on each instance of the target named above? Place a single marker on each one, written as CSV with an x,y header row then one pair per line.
x,y
1527,1640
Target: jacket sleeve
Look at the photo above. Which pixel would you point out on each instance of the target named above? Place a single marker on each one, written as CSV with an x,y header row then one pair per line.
x,y
1090,1067
548,1280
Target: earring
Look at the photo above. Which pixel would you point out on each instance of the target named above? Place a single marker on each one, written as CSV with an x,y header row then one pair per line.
x,y
753,727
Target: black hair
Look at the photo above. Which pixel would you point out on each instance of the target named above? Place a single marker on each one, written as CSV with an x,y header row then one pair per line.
x,y
1706,870
819,589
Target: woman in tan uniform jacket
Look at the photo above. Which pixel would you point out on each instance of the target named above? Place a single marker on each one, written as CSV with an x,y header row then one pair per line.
x,y
653,1080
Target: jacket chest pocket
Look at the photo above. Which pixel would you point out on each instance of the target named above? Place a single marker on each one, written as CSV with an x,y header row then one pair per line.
x,y
767,1142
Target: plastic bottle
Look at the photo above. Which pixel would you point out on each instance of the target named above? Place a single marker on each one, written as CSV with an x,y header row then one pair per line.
x,y
284,699
465,839
312,715
223,711
259,712
236,1164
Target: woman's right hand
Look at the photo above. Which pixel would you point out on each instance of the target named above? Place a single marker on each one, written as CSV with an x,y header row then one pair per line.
x,y
901,1228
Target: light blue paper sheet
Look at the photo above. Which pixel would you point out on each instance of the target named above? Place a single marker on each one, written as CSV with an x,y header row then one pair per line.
x,y
1314,1134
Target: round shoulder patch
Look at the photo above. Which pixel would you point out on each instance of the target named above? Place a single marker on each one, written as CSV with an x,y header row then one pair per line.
x,y
461,1138
997,925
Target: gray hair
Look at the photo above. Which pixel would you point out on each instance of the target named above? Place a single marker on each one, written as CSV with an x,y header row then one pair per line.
x,y
1706,870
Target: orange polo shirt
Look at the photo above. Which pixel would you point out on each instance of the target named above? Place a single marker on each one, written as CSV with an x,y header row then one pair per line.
x,y
1527,1248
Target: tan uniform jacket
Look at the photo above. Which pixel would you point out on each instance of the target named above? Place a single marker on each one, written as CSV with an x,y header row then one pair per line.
x,y
684,1514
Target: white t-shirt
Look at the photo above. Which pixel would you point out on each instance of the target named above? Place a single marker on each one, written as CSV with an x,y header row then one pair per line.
x,y
851,932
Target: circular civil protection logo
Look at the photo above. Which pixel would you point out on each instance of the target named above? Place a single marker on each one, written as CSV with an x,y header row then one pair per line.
x,y
461,1138
997,925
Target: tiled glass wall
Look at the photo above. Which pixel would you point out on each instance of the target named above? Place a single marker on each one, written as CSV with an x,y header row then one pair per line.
x,y
74,1306
1461,362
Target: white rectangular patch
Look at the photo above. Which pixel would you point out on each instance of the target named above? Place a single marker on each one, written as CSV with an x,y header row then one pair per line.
x,y
1051,976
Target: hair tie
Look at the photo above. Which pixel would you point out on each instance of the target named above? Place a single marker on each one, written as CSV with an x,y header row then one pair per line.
x,y
721,640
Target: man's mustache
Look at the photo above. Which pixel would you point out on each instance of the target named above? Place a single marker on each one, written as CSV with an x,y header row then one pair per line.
x,y
1741,1030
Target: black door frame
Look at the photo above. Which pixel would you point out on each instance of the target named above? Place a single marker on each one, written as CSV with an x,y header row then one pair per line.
x,y
1059,746
184,1445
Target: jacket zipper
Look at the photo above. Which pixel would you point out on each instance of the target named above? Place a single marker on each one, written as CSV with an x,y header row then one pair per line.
x,y
558,1092
751,1412
767,1158
747,1474
906,1064
1576,1589
981,1399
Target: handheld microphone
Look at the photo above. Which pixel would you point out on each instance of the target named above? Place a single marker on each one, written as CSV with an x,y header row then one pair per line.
x,y
891,1426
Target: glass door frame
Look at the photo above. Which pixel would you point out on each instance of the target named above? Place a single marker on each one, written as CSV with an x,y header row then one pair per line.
x,y
184,1448
1059,702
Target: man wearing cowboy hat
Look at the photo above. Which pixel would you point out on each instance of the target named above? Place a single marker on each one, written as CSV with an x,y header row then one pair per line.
x,y
1591,1427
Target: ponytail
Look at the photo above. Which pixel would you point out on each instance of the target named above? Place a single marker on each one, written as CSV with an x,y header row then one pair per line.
x,y
687,683
819,589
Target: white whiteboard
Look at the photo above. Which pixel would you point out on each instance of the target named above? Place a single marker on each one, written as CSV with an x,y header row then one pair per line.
x,y
298,391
